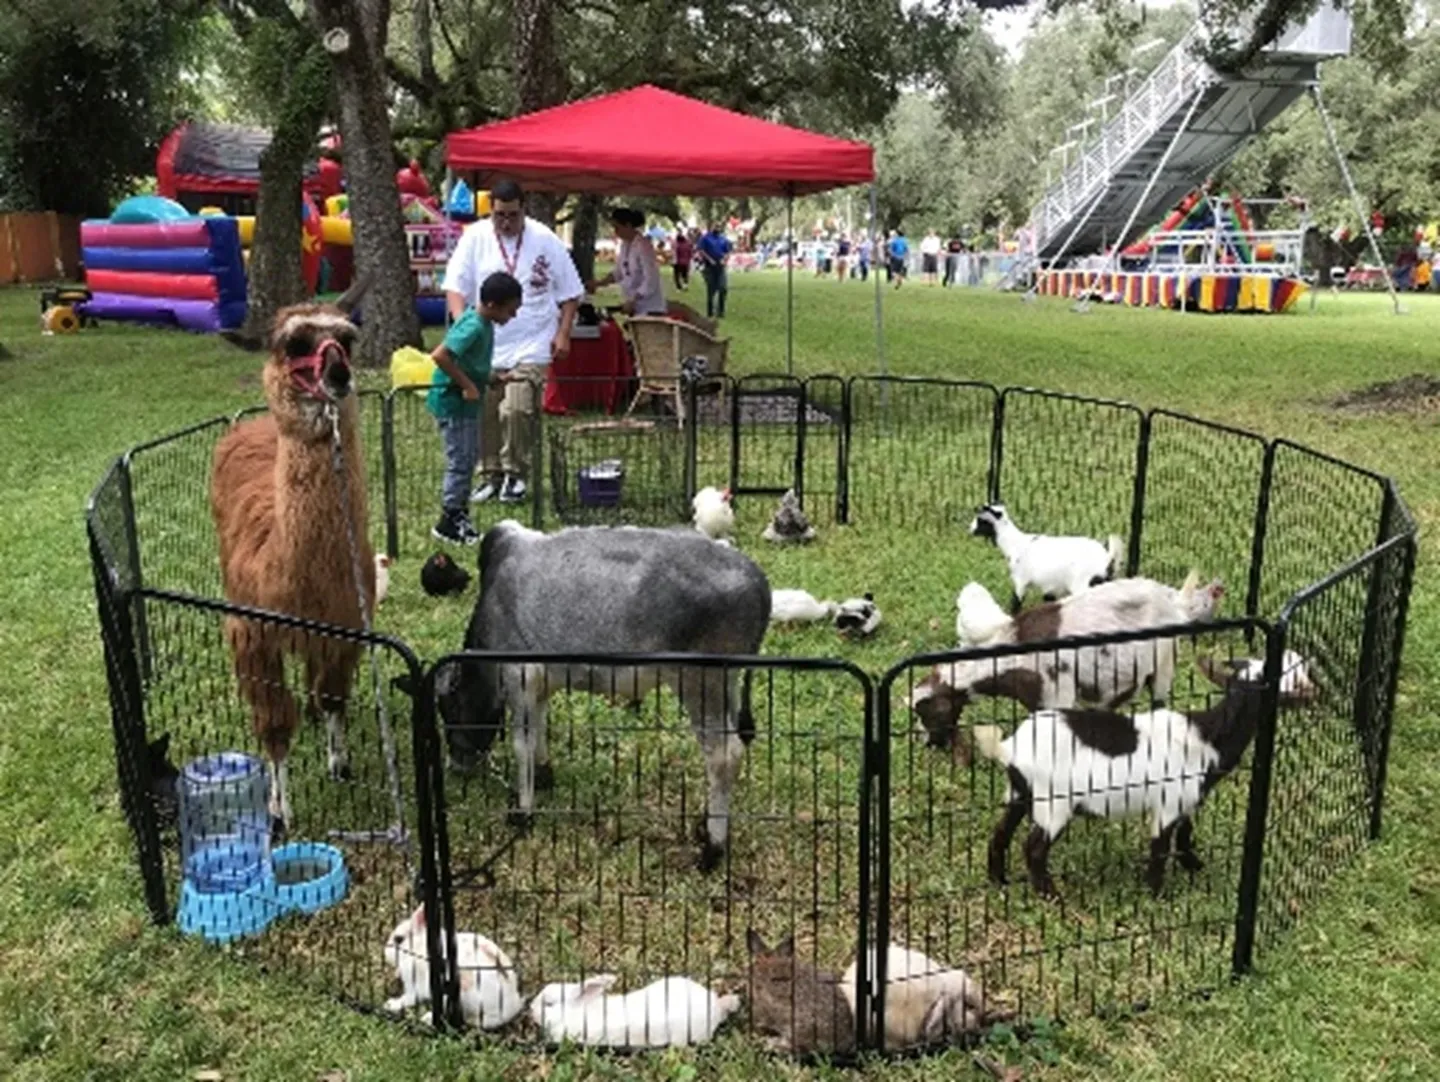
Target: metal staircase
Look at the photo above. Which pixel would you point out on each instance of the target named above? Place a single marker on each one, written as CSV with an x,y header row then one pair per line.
x,y
1181,124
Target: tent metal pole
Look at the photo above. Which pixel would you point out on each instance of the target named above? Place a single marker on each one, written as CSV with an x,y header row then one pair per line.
x,y
790,282
875,261
1355,199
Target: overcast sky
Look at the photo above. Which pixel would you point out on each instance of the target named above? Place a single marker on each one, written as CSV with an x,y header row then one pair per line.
x,y
1010,27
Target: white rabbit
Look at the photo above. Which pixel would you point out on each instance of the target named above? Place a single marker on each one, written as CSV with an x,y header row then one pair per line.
x,y
925,1001
489,994
672,1011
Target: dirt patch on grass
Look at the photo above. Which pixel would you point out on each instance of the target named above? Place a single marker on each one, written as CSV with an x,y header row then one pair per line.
x,y
1412,394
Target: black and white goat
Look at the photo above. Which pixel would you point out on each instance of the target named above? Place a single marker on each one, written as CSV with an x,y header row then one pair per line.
x,y
1106,674
1161,764
1056,566
610,591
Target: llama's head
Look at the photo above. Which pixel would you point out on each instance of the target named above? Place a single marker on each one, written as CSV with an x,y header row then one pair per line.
x,y
309,366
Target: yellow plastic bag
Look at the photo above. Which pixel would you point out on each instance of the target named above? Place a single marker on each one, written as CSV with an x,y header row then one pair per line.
x,y
409,366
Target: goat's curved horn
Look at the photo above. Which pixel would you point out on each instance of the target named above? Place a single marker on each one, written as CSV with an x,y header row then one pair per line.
x,y
348,301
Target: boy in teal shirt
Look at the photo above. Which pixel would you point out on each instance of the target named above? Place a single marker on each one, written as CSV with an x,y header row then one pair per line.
x,y
462,372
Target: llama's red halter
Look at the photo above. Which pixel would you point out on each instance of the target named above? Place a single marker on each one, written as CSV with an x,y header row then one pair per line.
x,y
307,373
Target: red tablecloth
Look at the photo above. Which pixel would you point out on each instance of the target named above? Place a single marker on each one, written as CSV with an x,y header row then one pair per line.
x,y
596,375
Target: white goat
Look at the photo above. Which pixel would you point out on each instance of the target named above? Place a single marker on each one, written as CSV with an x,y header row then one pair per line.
x,y
1161,763
1106,674
1056,566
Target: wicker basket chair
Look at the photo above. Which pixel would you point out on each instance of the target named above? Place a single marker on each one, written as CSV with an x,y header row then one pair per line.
x,y
660,345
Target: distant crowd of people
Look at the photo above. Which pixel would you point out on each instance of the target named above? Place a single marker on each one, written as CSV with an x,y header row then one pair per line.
x,y
943,262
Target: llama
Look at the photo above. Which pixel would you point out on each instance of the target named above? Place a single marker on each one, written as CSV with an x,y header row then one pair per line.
x,y
293,535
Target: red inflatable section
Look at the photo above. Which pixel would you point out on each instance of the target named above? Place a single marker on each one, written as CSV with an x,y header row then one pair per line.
x,y
311,240
188,287
411,181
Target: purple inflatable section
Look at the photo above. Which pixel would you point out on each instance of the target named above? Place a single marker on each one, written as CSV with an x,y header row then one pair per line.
x,y
103,234
189,315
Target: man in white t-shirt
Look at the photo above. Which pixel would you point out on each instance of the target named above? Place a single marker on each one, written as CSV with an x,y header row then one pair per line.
x,y
540,332
930,256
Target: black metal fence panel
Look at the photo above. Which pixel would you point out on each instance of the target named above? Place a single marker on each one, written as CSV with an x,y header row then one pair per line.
x,y
599,875
918,452
1321,515
1067,465
1200,499
1081,930
1329,756
290,737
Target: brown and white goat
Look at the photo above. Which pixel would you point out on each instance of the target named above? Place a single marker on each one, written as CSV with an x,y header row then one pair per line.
x,y
293,535
1106,674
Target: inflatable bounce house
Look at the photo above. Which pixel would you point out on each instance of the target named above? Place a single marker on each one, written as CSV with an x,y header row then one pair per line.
x,y
1205,256
152,261
145,263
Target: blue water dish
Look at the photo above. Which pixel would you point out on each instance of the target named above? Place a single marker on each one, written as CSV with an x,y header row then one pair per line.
x,y
233,884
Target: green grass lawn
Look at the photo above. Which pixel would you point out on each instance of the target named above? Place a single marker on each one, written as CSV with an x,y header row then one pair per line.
x,y
88,989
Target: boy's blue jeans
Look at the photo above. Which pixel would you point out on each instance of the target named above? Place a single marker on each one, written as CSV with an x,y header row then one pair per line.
x,y
461,438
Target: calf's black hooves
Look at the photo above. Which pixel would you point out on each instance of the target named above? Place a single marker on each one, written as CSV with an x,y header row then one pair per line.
x,y
342,773
278,830
1190,862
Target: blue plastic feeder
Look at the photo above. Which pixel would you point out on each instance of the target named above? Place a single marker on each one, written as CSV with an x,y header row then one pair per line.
x,y
225,847
225,915
309,877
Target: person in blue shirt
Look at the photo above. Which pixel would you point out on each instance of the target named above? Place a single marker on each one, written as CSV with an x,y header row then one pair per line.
x,y
712,252
462,372
899,253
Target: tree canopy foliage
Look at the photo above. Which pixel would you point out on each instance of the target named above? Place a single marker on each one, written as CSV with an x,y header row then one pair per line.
x,y
87,88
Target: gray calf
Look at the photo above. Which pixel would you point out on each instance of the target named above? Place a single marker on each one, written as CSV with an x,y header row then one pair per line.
x,y
613,591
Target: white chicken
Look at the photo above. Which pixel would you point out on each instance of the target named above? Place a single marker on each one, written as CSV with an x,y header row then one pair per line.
x,y
799,607
714,516
382,576
978,619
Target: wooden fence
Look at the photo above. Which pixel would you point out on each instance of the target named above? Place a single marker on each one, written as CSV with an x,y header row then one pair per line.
x,y
39,247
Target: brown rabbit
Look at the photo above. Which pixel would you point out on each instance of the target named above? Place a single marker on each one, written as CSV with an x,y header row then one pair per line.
x,y
800,1008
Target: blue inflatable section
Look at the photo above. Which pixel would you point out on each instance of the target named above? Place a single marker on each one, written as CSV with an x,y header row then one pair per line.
x,y
156,260
431,310
228,263
145,209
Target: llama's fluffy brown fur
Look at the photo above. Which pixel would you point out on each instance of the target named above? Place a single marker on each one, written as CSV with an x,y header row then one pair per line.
x,y
284,546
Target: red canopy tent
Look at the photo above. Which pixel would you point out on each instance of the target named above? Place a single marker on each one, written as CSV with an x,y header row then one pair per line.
x,y
684,147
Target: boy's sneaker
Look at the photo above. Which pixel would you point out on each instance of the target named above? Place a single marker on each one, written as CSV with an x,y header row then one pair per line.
x,y
513,490
456,528
487,491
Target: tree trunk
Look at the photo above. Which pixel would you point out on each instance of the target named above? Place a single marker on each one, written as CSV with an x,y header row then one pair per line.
x,y
539,81
583,231
382,255
274,272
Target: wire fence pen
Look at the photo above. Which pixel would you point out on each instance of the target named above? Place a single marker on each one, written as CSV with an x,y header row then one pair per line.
x,y
851,835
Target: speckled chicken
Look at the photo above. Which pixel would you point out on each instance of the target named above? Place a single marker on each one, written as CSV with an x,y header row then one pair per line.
x,y
789,526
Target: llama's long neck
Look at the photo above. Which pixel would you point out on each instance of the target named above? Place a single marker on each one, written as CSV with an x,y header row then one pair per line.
x,y
314,497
